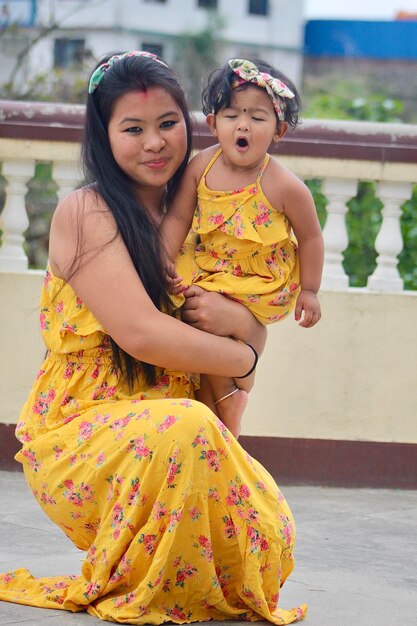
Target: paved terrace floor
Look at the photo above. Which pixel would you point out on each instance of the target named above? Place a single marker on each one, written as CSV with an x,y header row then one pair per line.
x,y
356,555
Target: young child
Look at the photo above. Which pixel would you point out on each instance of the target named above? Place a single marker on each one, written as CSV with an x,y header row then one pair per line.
x,y
260,239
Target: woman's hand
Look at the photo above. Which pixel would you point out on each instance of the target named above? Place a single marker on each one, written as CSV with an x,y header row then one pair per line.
x,y
216,314
209,311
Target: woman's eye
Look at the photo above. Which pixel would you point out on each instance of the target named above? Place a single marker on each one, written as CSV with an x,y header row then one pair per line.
x,y
258,119
168,124
133,130
231,117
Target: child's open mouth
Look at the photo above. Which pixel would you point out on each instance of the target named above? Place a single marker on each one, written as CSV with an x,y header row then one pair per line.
x,y
242,142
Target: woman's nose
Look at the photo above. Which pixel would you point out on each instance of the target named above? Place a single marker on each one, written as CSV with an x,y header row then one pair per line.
x,y
154,142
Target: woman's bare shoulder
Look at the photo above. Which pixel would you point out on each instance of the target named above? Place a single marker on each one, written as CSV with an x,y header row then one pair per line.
x,y
81,224
83,209
79,203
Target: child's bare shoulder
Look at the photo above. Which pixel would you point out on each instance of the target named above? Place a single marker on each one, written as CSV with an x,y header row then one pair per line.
x,y
278,182
200,161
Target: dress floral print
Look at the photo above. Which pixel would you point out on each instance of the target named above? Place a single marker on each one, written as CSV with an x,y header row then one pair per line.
x,y
178,523
247,249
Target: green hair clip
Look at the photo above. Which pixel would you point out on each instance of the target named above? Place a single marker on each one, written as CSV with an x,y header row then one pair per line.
x,y
97,75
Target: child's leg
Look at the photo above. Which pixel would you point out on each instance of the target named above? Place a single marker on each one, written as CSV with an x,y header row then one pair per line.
x,y
228,408
230,401
205,394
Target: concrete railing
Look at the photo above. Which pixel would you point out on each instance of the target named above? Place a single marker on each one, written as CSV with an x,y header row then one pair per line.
x,y
350,378
339,153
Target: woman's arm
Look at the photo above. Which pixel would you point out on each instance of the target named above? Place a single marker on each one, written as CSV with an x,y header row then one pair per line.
x,y
219,315
109,285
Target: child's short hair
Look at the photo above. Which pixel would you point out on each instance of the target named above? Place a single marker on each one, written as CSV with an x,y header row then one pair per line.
x,y
217,92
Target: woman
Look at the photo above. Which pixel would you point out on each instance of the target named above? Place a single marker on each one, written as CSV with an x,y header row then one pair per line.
x,y
178,523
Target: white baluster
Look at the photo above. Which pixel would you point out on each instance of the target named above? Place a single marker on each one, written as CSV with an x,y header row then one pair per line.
x,y
66,176
338,191
14,220
389,241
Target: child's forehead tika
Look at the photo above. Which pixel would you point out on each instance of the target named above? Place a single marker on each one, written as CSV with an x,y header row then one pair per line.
x,y
245,102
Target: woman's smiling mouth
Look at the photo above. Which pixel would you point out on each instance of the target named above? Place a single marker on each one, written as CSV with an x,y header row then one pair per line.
x,y
156,164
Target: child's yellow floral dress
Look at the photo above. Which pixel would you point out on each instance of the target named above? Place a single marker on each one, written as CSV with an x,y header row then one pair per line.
x,y
247,249
177,521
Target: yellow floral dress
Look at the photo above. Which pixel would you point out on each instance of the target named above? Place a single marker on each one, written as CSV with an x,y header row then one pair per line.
x,y
247,249
177,521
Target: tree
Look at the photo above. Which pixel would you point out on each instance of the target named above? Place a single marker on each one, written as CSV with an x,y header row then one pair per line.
x,y
196,53
49,85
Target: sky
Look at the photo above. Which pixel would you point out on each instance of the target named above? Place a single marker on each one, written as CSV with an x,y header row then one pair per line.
x,y
357,9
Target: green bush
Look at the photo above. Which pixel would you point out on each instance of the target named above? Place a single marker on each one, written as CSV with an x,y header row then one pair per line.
x,y
408,258
363,221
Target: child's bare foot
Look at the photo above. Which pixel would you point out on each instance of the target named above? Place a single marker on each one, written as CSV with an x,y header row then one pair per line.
x,y
230,409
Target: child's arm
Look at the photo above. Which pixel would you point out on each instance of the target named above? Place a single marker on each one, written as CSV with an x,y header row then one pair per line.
x,y
301,212
288,193
177,222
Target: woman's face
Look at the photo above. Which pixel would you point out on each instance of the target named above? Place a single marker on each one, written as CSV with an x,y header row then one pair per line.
x,y
147,135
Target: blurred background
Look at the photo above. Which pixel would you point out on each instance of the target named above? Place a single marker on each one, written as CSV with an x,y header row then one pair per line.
x,y
350,61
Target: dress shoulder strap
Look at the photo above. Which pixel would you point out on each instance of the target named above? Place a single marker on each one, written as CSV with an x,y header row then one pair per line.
x,y
263,167
211,162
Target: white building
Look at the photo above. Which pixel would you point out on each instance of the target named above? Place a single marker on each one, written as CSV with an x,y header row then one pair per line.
x,y
270,29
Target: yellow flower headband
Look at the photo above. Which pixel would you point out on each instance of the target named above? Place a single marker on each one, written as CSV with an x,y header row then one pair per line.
x,y
275,88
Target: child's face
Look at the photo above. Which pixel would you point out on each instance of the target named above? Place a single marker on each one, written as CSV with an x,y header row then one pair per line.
x,y
247,127
147,135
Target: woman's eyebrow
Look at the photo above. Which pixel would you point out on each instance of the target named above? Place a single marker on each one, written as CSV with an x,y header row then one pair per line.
x,y
130,119
168,114
138,119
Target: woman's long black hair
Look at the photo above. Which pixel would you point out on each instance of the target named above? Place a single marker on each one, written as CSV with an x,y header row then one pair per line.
x,y
137,229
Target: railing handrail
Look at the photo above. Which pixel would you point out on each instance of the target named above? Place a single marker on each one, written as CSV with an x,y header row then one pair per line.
x,y
338,139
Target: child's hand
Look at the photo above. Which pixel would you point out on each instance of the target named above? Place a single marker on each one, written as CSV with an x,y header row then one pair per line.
x,y
174,281
308,302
